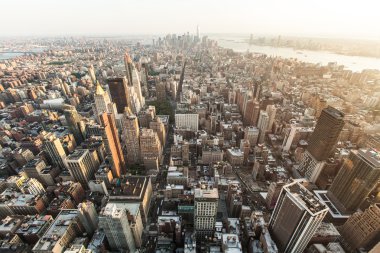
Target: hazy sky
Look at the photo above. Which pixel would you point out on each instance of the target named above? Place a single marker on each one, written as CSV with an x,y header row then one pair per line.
x,y
338,18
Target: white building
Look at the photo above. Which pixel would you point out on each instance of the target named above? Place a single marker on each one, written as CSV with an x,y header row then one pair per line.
x,y
187,121
205,210
263,125
295,218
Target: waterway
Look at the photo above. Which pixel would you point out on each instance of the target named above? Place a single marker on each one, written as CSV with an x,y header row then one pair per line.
x,y
354,63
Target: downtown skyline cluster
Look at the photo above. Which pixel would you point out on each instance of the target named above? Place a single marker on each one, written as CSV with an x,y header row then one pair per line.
x,y
108,145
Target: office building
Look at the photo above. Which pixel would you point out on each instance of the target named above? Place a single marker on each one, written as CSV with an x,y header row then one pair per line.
x,y
65,228
82,165
326,133
88,216
119,93
205,210
252,135
321,143
296,217
273,194
271,110
102,103
73,121
262,125
159,128
150,149
362,229
134,189
112,143
54,149
131,138
357,177
187,121
113,219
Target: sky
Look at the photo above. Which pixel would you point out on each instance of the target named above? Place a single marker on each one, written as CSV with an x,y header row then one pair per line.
x,y
323,18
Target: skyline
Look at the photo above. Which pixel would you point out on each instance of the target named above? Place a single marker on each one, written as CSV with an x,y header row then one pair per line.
x,y
99,17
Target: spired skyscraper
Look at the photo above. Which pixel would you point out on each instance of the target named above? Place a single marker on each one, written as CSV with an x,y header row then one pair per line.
x,y
321,143
137,101
295,218
102,103
357,177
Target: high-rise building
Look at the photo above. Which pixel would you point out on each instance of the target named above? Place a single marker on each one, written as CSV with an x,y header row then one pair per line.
x,y
362,229
271,110
357,177
73,120
273,194
134,85
54,149
113,219
159,128
88,216
252,135
130,137
262,125
326,133
295,218
161,91
112,143
82,165
102,102
321,143
150,149
119,93
205,210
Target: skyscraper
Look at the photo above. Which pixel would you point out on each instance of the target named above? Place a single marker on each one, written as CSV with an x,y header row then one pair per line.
x,y
88,216
119,92
326,133
134,84
74,123
357,177
252,135
295,218
113,220
262,125
205,210
112,143
159,128
321,143
102,102
271,110
54,149
131,137
362,229
82,165
150,149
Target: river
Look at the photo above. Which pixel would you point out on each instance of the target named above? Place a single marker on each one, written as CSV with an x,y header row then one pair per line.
x,y
354,63
10,55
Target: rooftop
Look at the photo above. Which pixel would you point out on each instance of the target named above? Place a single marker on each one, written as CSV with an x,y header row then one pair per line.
x,y
305,198
56,230
206,193
77,154
370,155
